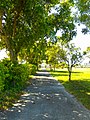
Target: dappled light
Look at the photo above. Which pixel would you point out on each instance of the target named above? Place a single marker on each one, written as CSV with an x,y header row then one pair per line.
x,y
45,99
88,93
39,34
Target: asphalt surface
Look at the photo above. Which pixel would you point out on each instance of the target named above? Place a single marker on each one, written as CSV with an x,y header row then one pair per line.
x,y
46,99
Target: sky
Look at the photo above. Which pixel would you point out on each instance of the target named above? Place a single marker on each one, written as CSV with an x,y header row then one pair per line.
x,y
3,54
81,40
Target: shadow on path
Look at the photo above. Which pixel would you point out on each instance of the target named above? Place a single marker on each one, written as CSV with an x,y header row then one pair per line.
x,y
46,99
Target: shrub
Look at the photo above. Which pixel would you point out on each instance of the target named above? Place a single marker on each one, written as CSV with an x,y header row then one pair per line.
x,y
3,75
18,75
14,76
33,68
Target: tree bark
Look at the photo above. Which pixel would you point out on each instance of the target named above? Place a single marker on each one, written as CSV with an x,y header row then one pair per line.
x,y
70,72
69,75
13,54
1,15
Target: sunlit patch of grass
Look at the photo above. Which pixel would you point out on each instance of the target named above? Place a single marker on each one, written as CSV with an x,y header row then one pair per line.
x,y
80,84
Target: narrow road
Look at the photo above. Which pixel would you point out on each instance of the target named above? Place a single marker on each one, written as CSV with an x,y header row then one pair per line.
x,y
46,99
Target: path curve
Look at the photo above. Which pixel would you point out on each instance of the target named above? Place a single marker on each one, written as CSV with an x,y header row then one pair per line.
x,y
46,99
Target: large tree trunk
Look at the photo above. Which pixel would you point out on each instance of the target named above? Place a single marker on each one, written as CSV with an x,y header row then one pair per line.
x,y
1,15
13,53
13,56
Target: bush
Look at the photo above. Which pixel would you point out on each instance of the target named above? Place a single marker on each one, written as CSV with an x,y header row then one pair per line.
x,y
33,68
18,76
3,75
14,76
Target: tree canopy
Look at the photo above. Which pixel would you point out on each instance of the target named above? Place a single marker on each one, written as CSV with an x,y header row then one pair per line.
x,y
25,22
84,13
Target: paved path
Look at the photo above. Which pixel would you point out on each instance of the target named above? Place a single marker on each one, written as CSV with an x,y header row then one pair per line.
x,y
46,99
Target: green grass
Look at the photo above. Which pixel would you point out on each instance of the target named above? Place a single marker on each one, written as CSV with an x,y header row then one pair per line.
x,y
80,84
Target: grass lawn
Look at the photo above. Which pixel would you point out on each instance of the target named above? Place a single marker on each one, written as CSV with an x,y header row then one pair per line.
x,y
80,84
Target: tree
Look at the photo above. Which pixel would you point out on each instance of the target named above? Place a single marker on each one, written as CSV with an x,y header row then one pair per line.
x,y
25,21
51,55
64,21
73,57
54,55
83,13
34,54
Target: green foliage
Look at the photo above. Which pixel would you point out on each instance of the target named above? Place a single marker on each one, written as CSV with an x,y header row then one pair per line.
x,y
24,23
64,21
34,54
13,78
87,52
88,49
2,76
54,54
83,16
18,75
74,56
66,55
14,75
4,72
62,65
32,68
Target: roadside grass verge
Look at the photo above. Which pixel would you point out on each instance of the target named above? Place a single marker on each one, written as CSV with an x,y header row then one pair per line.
x,y
79,85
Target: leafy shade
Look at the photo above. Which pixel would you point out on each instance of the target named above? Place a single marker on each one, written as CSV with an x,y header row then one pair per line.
x,y
24,23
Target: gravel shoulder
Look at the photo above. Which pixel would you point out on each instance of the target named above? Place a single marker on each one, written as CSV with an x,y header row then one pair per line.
x,y
46,99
